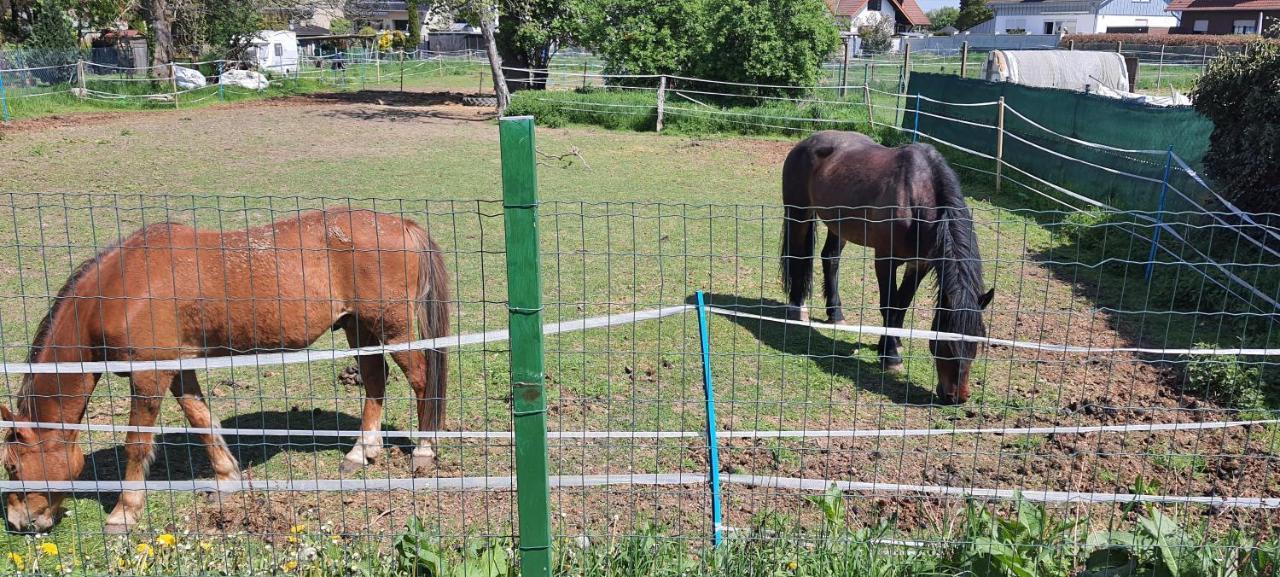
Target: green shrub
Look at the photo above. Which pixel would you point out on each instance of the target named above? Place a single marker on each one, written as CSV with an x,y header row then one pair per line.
x,y
53,43
1225,379
1238,93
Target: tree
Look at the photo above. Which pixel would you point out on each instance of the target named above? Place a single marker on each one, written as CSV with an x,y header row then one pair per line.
x,y
54,43
943,17
230,24
781,42
415,24
530,32
157,14
646,36
973,13
1238,92
341,26
878,37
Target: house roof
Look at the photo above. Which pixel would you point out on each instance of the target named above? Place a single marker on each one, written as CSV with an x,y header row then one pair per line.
x,y
1223,5
311,30
915,16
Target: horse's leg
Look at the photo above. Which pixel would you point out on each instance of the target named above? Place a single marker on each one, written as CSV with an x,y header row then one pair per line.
x,y
911,280
186,388
430,403
373,372
148,388
831,276
886,275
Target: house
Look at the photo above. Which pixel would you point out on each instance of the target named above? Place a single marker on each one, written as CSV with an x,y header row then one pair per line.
x,y
1078,17
853,15
1225,16
383,15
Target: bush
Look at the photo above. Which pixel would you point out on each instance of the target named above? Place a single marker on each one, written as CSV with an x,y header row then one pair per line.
x,y
973,13
778,42
1160,39
1225,380
53,43
1238,93
878,37
647,36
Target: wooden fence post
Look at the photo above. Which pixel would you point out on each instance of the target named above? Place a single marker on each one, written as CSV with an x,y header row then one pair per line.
x,y
662,100
1204,59
1119,46
906,65
844,68
964,58
1071,44
999,143
401,70
584,74
1160,68
866,95
528,387
173,82
4,100
80,78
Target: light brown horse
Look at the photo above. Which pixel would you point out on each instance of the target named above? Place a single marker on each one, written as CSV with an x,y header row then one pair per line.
x,y
171,291
905,204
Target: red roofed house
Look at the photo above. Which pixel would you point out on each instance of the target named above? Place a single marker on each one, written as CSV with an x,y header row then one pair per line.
x,y
1224,16
854,14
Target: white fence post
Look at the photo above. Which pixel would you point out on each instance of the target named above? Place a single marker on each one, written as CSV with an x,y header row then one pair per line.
x,y
662,100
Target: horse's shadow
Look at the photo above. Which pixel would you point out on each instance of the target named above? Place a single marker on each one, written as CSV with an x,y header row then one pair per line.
x,y
182,456
833,355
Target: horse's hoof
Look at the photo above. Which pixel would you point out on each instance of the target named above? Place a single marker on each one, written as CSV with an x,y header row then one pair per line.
x,y
349,467
893,367
116,528
837,322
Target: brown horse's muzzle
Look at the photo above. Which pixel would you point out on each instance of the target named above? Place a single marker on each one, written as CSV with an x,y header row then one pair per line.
x,y
953,383
33,512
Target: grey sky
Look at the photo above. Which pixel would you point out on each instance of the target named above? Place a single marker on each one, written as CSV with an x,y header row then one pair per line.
x,y
928,5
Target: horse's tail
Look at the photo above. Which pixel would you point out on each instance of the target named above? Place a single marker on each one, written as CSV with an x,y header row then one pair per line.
x,y
798,226
432,306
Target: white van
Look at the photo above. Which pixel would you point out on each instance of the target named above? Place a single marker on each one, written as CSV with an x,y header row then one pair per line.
x,y
274,51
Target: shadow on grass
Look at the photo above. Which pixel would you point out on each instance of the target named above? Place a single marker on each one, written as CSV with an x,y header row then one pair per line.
x,y
831,355
182,457
396,106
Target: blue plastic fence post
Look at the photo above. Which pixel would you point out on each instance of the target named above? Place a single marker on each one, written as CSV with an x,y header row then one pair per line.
x,y
4,101
915,134
712,443
221,96
1164,191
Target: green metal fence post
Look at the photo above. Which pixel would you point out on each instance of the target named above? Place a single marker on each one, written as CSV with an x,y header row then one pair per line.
x,y
524,304
1155,234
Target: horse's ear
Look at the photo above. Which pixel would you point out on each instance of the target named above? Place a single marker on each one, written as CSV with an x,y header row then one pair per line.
x,y
23,434
986,298
5,413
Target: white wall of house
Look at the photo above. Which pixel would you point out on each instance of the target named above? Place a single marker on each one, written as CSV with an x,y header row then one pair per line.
x,y
869,17
1115,21
1079,23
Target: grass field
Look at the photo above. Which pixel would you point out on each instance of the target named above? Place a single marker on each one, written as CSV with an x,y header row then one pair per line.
x,y
630,222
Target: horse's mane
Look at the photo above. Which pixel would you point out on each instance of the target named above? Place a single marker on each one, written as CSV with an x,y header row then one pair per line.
x,y
955,251
46,325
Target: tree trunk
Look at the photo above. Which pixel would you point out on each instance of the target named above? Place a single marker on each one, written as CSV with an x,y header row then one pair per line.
x,y
495,63
162,55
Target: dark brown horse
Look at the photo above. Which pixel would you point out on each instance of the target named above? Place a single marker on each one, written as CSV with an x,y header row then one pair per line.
x,y
171,291
905,204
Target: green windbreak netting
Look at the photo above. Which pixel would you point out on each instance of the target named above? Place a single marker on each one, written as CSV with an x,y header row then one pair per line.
x,y
1048,134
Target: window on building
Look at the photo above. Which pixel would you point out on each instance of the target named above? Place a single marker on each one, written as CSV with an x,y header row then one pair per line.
x,y
874,5
1200,26
279,49
1244,27
1049,27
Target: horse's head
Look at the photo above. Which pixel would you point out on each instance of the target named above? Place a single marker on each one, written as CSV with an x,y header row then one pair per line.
x,y
954,358
29,456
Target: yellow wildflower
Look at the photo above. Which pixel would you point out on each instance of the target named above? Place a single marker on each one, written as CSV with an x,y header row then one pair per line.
x,y
145,549
50,549
16,559
206,546
292,539
297,529
121,563
289,565
792,565
166,540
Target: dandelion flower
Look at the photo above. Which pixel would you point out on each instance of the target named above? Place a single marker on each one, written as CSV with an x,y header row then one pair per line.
x,y
292,539
289,565
792,565
50,549
16,559
145,549
297,529
166,540
206,546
